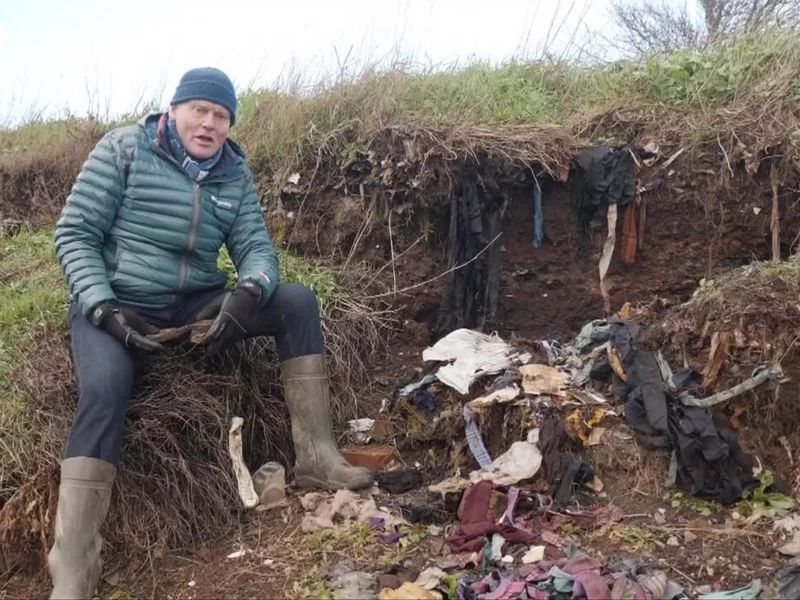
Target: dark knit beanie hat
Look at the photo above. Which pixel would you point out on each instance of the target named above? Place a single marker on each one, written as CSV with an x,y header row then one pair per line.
x,y
206,83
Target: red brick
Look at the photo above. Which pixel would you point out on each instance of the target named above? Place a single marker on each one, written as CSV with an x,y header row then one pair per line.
x,y
372,457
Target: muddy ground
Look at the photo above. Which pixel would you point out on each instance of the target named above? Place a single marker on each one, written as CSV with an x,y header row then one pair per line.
x,y
280,560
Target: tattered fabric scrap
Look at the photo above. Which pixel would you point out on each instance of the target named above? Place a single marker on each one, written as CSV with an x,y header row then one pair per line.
x,y
471,354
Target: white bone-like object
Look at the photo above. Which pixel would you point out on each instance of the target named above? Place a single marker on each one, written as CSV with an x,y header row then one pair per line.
x,y
245,482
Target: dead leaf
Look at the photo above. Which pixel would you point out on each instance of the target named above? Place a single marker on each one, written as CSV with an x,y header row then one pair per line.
x,y
596,485
595,436
626,312
615,360
720,344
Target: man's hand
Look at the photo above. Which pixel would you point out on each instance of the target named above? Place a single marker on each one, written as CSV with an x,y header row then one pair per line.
x,y
126,325
237,307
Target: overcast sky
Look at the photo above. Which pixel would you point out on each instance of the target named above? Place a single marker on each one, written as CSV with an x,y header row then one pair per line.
x,y
90,55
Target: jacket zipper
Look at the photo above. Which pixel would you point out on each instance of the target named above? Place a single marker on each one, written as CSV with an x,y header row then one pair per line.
x,y
195,223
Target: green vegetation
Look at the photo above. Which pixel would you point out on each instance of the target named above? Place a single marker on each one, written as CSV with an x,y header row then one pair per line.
x,y
322,279
360,542
414,538
279,127
570,530
636,539
761,502
32,296
681,500
37,135
282,126
32,293
311,587
362,546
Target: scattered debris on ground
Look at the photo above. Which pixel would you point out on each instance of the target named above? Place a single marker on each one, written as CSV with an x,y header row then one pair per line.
x,y
588,469
573,477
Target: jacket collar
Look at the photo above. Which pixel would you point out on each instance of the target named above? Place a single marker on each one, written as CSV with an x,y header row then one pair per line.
x,y
230,167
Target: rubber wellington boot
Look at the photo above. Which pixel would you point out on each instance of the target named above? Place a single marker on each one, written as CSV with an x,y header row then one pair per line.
x,y
318,463
83,499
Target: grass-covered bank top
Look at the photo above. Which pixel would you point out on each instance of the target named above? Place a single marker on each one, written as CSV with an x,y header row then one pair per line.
x,y
282,125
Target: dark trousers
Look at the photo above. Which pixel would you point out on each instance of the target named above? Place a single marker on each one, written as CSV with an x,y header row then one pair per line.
x,y
106,369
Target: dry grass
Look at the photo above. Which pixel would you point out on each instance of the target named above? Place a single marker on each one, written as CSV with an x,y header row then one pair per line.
x,y
38,165
175,485
741,90
620,460
730,105
756,306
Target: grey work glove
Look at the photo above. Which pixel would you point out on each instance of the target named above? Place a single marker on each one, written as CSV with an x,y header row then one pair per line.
x,y
236,310
125,324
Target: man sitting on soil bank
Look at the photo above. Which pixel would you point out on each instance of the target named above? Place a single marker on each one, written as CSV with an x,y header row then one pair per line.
x,y
138,241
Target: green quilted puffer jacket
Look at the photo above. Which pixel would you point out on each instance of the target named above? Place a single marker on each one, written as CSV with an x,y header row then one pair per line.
x,y
137,229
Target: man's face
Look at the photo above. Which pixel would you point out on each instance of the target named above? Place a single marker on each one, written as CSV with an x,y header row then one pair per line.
x,y
202,126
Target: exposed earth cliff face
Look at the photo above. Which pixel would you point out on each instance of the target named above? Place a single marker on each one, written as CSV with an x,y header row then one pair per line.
x,y
384,214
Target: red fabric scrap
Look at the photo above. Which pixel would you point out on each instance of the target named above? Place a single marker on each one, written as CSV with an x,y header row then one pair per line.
x,y
476,523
